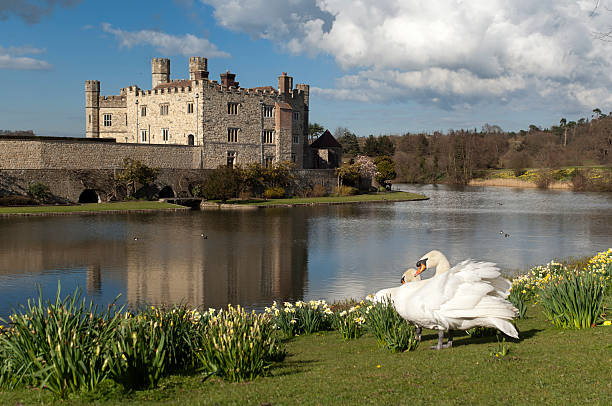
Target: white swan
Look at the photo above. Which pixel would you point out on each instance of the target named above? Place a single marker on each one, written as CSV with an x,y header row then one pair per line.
x,y
433,259
471,294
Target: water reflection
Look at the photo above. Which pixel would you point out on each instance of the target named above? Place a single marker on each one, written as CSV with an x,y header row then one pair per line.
x,y
254,257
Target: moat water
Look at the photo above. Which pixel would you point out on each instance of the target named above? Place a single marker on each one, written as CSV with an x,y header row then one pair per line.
x,y
324,252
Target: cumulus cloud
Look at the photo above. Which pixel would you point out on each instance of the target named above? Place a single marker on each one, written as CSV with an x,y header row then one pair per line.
x,y
13,58
32,11
187,45
448,51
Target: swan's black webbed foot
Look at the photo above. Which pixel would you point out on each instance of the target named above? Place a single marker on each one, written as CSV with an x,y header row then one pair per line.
x,y
448,344
418,333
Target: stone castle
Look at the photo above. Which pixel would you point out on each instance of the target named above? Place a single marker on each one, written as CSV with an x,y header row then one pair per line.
x,y
228,124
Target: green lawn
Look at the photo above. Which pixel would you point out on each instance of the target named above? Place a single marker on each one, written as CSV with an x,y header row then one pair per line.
x,y
91,207
548,366
373,197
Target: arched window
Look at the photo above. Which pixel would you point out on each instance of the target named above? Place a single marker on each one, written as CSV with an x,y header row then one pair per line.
x,y
190,140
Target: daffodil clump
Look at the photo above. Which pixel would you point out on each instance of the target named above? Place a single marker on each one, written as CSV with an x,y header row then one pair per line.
x,y
238,345
62,345
350,323
301,317
601,266
389,328
571,298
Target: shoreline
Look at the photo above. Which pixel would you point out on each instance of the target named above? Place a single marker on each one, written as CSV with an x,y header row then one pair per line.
x,y
323,201
35,211
517,183
90,208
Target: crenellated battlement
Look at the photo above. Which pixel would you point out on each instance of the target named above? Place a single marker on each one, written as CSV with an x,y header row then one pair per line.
x,y
92,86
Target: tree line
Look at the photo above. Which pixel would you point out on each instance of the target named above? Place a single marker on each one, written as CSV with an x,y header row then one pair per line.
x,y
457,156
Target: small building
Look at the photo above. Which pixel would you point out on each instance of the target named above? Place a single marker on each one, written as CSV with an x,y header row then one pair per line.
x,y
326,152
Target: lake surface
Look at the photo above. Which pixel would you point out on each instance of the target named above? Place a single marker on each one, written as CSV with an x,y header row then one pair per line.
x,y
324,252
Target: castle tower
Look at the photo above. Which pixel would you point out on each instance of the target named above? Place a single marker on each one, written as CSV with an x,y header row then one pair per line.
x,y
306,90
285,84
160,71
92,108
198,68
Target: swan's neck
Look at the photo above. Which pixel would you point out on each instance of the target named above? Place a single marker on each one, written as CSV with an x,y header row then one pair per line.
x,y
443,265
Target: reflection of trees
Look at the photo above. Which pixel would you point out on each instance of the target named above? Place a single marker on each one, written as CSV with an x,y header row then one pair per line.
x,y
248,258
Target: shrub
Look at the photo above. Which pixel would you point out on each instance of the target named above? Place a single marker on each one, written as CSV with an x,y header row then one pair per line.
x,y
389,328
274,193
61,345
345,191
237,346
17,200
318,190
39,191
222,184
135,172
543,179
573,300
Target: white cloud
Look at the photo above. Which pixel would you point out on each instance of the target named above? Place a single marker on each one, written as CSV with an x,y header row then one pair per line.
x,y
455,51
13,58
187,45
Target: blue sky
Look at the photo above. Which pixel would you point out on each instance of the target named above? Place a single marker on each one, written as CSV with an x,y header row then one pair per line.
x,y
389,66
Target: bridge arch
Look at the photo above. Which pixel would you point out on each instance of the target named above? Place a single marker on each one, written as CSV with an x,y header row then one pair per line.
x,y
89,196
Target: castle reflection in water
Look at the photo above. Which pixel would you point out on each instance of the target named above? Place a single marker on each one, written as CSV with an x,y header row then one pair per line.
x,y
244,258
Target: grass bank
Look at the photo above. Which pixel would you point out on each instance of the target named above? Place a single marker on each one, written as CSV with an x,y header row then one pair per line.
x,y
90,208
308,201
579,178
548,366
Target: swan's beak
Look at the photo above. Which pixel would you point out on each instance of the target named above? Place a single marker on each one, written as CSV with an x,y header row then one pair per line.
x,y
421,266
403,280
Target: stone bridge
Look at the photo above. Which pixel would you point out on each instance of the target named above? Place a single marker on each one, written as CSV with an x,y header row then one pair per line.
x,y
83,170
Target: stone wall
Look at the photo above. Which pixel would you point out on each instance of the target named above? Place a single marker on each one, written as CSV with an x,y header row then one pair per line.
x,y
74,153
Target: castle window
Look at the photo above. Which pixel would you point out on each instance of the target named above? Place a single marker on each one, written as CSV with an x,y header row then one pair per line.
x,y
231,158
163,110
268,136
107,120
292,157
232,135
90,119
296,116
296,139
165,134
143,111
269,161
143,135
268,111
232,108
189,108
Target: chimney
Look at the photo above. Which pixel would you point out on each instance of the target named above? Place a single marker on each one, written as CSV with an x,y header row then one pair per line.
x,y
285,83
228,79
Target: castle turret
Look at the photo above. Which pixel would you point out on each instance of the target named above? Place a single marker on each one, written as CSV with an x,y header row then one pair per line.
x,y
306,90
285,84
229,79
92,108
198,68
160,71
